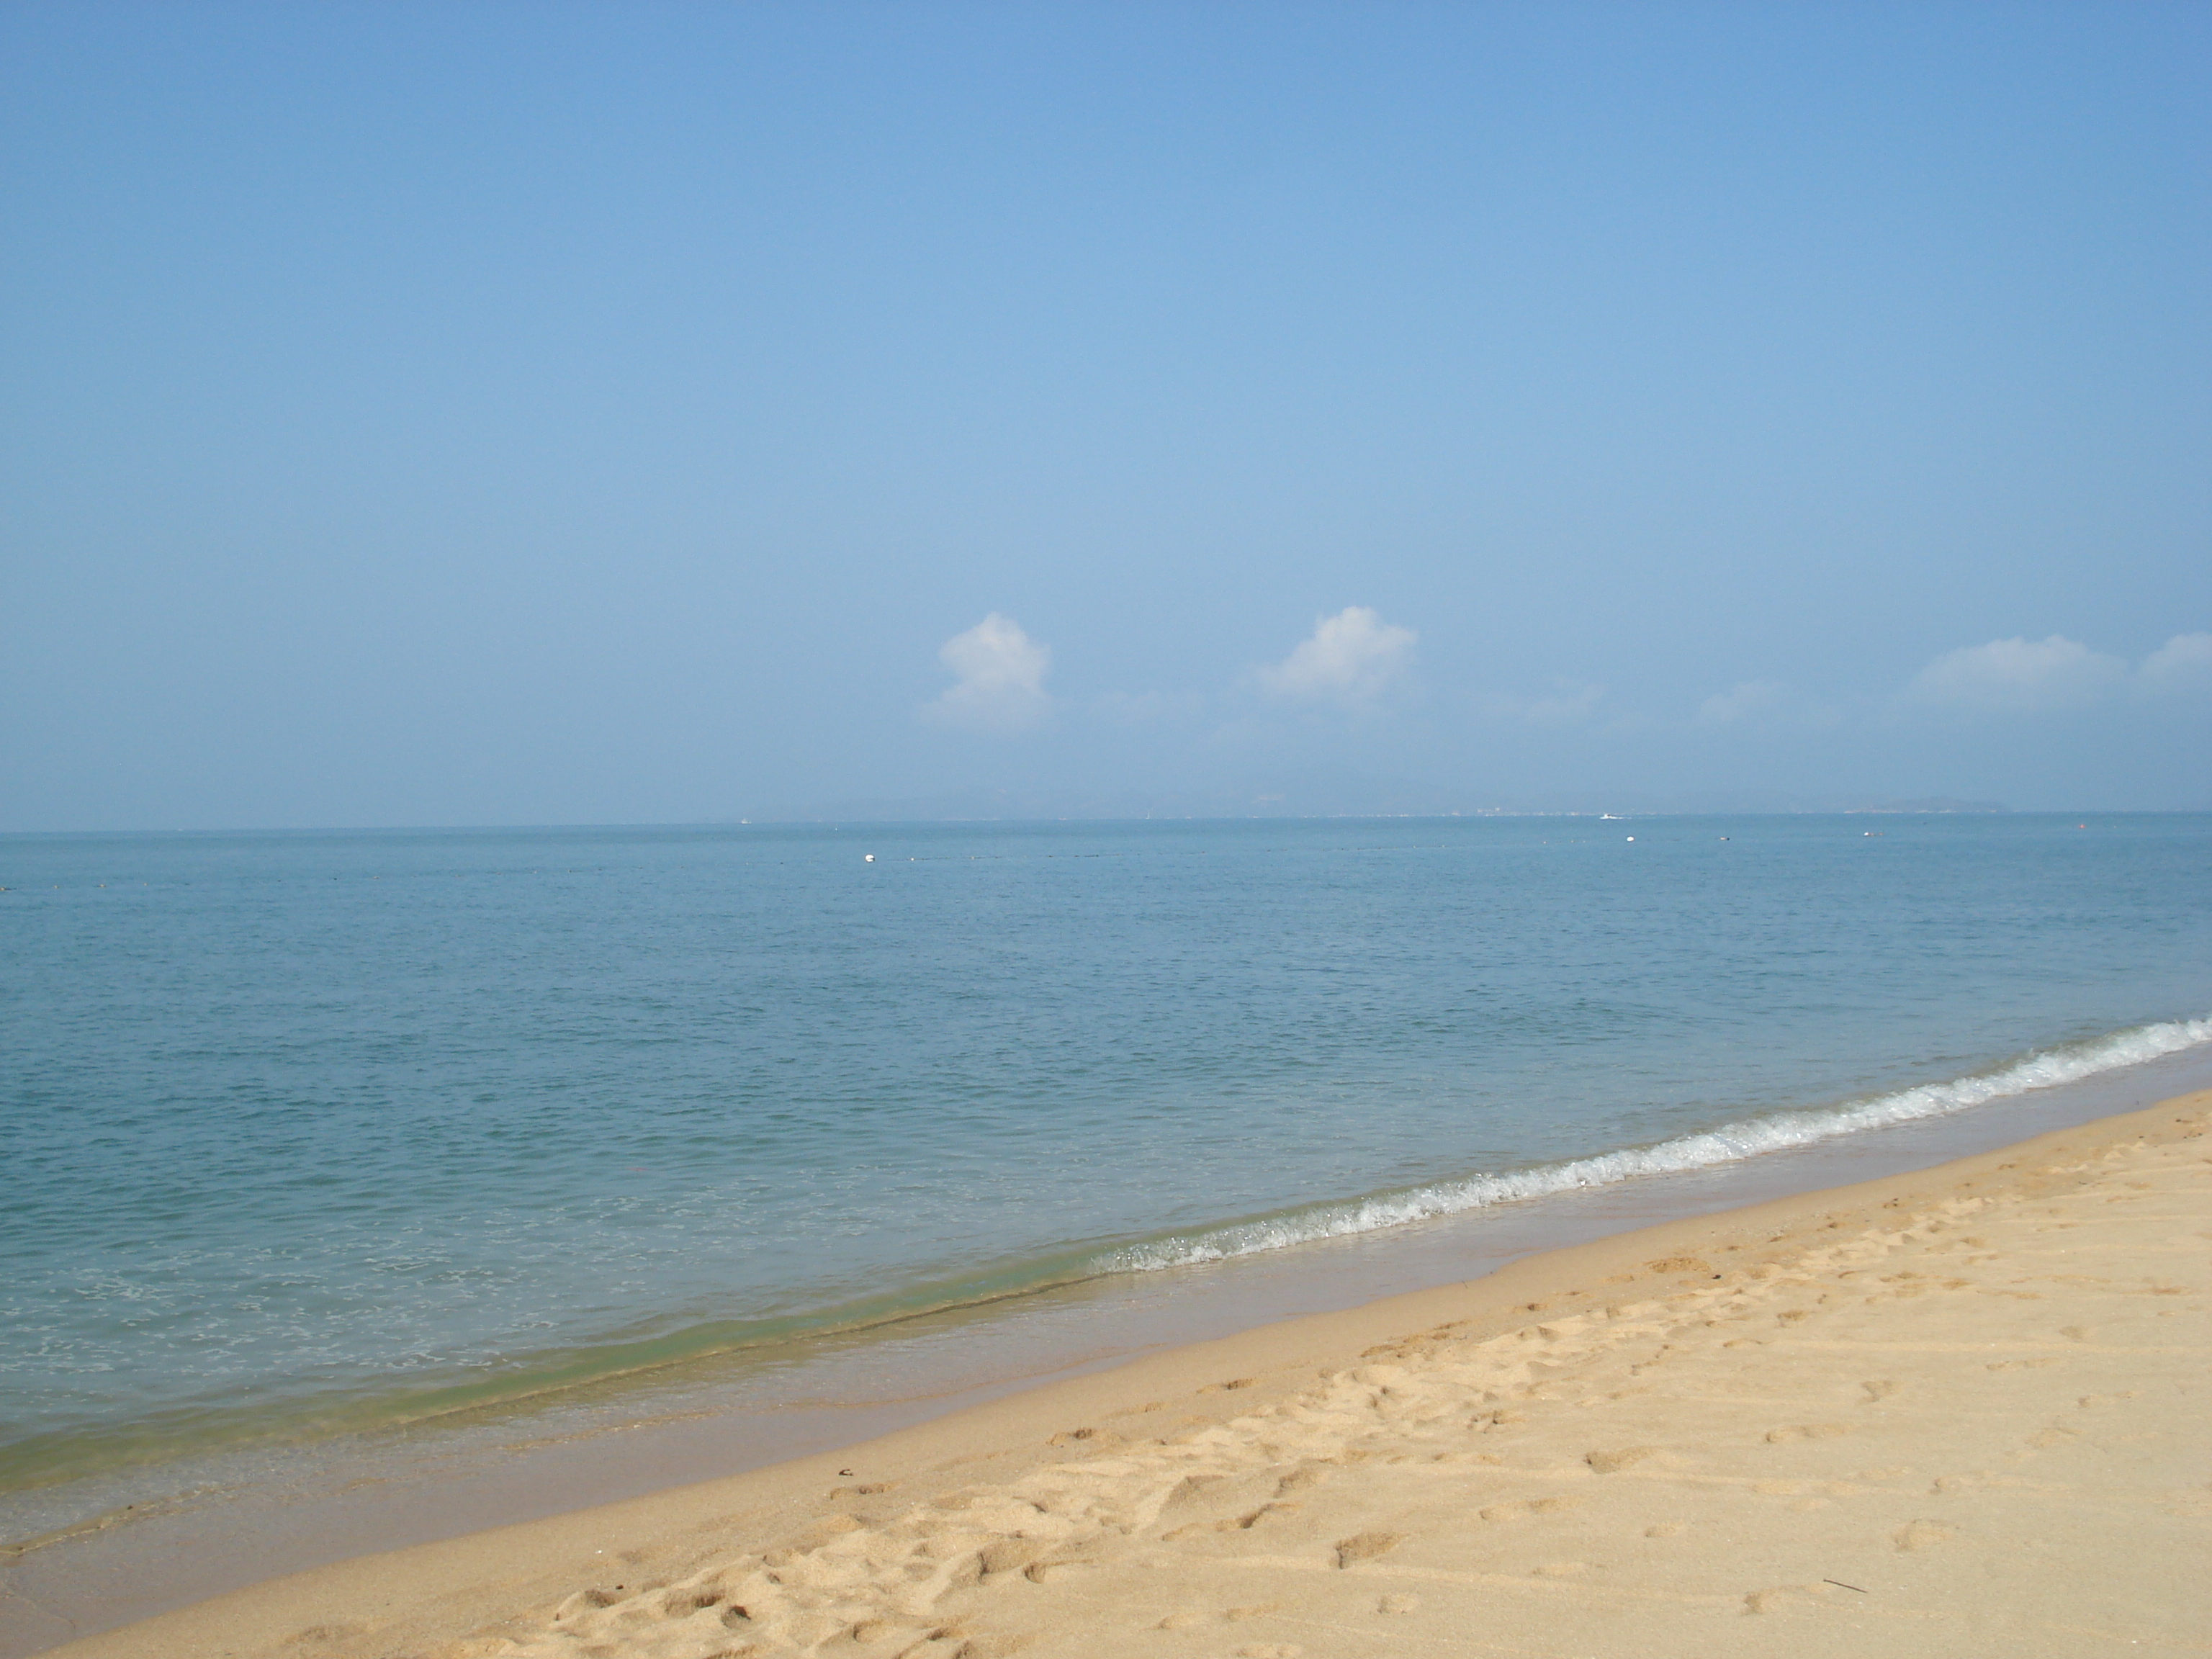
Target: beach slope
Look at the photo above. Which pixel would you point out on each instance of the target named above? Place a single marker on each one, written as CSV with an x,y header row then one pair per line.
x,y
1966,1412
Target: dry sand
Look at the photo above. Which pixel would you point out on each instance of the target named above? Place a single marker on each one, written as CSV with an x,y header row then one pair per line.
x,y
1960,1413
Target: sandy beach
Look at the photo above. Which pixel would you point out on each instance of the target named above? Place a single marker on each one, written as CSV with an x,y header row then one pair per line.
x,y
1958,1412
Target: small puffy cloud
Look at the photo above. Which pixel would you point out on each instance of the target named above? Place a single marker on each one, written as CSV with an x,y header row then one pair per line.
x,y
2017,675
1352,658
2184,663
998,679
1571,702
1740,701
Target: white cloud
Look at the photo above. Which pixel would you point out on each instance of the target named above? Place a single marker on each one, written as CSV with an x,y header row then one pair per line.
x,y
2184,663
998,684
1741,700
1352,658
2017,675
1571,702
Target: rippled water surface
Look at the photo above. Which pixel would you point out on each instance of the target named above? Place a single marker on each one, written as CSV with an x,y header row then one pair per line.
x,y
311,1130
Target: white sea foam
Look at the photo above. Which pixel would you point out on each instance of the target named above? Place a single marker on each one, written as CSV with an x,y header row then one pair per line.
x,y
1774,1132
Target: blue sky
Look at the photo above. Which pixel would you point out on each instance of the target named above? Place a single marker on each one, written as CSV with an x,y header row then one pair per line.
x,y
493,414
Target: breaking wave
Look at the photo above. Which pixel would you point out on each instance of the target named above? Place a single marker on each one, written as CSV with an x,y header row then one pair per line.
x,y
1773,1132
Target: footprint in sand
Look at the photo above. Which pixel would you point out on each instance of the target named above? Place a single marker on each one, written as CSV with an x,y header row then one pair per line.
x,y
1920,1534
1365,1546
1012,1554
1612,1462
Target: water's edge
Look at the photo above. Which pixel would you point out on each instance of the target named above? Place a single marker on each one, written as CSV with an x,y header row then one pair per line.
x,y
524,1381
268,1517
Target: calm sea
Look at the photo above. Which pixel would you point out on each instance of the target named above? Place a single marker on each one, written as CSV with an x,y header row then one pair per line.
x,y
306,1132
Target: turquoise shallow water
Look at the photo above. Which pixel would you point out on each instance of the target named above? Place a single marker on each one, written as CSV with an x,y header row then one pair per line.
x,y
306,1132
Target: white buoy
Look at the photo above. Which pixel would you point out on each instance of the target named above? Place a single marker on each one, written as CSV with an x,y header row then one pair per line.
x,y
1631,838
867,858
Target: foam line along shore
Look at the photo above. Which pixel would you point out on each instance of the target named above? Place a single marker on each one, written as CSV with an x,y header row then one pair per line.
x,y
1828,1412
283,1518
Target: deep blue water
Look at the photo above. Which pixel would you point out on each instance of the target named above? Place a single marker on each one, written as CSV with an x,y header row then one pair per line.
x,y
311,1128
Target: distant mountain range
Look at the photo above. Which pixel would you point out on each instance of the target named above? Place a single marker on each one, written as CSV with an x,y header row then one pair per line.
x,y
1333,796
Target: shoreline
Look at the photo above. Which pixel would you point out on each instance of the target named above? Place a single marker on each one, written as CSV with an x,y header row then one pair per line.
x,y
438,1592
86,1457
293,1510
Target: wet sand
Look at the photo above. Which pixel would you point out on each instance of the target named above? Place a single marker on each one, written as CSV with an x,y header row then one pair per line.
x,y
78,1561
1957,1411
